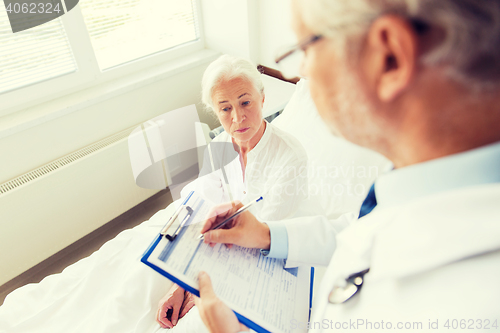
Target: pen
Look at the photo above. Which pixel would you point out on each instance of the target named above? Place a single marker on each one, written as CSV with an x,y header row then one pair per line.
x,y
238,212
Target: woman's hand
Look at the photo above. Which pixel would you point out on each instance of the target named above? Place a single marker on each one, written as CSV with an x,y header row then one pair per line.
x,y
216,316
187,304
244,230
173,306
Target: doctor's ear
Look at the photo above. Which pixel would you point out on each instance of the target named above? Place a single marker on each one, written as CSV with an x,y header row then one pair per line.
x,y
263,98
390,56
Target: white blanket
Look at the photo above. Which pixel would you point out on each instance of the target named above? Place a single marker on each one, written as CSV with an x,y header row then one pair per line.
x,y
110,291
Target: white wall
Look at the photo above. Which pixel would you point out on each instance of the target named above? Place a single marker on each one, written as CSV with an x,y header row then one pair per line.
x,y
227,25
254,29
275,30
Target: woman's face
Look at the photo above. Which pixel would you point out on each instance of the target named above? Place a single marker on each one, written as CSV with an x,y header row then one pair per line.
x,y
239,107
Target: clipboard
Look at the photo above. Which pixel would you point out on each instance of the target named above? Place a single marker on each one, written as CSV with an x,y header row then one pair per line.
x,y
171,232
247,317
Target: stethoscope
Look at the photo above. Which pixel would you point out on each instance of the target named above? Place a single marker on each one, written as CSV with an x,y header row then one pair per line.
x,y
354,282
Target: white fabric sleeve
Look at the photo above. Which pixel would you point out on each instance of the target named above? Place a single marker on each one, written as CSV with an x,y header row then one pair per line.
x,y
312,239
279,241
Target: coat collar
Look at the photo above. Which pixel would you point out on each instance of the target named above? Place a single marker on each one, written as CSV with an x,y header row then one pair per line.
x,y
405,240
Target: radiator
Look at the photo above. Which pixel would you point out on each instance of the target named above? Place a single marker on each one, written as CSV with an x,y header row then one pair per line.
x,y
47,209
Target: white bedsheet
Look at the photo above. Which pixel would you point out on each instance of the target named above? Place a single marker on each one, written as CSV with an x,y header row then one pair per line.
x,y
109,291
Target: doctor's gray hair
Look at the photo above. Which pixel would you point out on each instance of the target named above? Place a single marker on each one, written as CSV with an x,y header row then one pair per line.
x,y
226,68
470,50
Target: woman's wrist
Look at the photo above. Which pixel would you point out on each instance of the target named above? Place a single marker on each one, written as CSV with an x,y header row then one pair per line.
x,y
175,287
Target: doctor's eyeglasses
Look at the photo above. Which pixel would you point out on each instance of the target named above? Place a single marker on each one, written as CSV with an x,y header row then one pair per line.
x,y
290,59
289,62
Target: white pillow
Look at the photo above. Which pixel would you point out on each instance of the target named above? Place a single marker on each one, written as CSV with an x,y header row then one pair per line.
x,y
340,173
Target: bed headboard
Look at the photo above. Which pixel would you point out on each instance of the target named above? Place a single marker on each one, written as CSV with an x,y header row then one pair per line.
x,y
276,73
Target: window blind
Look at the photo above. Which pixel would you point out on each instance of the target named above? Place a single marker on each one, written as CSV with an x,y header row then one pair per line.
x,y
125,30
33,55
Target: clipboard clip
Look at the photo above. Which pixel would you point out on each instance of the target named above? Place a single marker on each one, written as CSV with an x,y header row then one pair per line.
x,y
172,236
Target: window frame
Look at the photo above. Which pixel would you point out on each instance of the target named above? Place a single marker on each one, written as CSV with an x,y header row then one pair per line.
x,y
88,73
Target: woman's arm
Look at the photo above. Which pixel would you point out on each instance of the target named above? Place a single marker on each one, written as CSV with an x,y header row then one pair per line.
x,y
176,303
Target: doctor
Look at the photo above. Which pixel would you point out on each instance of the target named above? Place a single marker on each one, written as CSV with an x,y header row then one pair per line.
x,y
418,81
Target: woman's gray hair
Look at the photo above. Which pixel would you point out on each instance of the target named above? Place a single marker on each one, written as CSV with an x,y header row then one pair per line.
x,y
226,68
471,47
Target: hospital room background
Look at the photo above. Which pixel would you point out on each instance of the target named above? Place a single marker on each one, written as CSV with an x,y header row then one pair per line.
x,y
81,83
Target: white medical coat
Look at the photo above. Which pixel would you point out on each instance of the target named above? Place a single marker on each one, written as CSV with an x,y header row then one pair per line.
x,y
432,261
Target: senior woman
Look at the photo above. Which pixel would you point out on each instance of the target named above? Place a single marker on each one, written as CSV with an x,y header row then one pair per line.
x,y
269,162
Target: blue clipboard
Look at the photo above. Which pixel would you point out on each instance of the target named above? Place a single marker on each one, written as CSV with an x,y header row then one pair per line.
x,y
242,319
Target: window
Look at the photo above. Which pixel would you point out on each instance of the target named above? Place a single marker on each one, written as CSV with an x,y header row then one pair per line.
x,y
33,55
96,41
125,30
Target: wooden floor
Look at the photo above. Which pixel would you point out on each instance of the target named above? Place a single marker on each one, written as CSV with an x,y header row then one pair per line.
x,y
89,244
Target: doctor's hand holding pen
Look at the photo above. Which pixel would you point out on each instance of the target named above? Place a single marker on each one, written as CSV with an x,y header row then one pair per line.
x,y
243,230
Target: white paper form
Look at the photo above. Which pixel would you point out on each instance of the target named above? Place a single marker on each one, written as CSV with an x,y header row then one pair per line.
x,y
257,287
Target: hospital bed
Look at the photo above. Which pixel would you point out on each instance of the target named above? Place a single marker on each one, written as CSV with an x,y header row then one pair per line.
x,y
111,291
